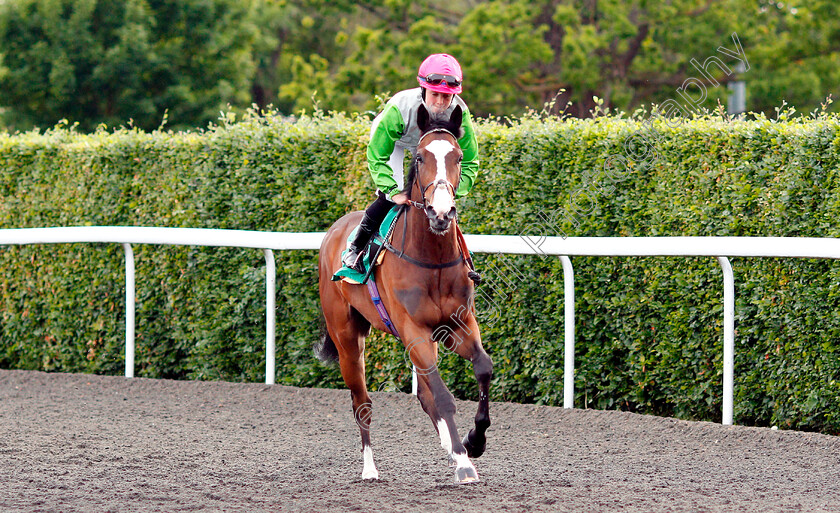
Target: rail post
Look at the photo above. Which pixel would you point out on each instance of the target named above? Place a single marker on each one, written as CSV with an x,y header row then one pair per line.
x,y
129,310
728,341
569,326
270,293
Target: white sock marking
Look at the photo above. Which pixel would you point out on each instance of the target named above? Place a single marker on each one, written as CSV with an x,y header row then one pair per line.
x,y
369,471
462,461
445,440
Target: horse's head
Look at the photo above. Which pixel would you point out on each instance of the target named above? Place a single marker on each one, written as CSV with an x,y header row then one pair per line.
x,y
436,172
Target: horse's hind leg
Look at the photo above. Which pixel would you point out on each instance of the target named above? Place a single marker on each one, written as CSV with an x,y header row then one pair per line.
x,y
349,338
353,372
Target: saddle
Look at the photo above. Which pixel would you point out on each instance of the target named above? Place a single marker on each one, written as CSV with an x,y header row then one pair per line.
x,y
382,239
373,254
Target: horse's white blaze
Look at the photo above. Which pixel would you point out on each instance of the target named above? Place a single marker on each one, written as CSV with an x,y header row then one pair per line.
x,y
369,471
442,200
440,149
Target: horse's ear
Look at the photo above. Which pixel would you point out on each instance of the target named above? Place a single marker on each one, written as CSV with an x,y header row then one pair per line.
x,y
423,118
456,118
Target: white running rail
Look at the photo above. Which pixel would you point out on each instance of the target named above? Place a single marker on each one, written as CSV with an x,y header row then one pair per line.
x,y
128,235
718,247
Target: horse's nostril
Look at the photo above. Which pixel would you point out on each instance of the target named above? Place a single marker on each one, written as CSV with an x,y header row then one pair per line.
x,y
451,214
439,225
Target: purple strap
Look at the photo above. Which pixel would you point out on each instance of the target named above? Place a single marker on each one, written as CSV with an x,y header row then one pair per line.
x,y
377,302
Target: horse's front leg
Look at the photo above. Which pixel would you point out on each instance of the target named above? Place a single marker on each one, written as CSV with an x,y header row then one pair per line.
x,y
439,403
466,342
476,441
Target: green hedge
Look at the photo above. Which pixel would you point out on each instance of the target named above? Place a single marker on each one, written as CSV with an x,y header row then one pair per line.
x,y
649,330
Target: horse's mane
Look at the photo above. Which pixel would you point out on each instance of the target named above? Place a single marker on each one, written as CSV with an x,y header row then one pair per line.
x,y
440,122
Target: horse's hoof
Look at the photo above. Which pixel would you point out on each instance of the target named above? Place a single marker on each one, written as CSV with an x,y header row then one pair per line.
x,y
473,451
465,475
370,475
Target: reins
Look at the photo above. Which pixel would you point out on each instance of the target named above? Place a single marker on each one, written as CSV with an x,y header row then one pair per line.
x,y
422,206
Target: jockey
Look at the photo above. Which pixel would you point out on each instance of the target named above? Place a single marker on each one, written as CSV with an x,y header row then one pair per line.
x,y
395,130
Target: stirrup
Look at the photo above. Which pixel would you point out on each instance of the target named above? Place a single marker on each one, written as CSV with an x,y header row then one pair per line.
x,y
355,264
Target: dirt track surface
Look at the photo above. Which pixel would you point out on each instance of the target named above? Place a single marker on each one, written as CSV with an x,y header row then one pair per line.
x,y
95,443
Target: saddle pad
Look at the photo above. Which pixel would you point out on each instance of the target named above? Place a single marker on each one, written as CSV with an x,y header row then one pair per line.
x,y
353,276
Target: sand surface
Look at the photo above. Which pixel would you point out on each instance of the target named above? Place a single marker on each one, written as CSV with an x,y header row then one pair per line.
x,y
74,442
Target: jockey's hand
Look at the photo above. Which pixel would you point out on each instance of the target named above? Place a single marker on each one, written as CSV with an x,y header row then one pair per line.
x,y
400,199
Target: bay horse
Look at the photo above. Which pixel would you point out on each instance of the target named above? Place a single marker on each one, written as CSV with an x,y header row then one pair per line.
x,y
425,289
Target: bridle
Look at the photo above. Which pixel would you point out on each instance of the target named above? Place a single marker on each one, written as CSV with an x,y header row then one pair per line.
x,y
425,204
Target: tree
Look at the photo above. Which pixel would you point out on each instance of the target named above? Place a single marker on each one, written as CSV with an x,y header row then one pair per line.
x,y
577,55
119,61
109,61
796,53
299,41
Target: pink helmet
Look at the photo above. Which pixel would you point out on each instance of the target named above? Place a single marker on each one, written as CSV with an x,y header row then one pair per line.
x,y
440,72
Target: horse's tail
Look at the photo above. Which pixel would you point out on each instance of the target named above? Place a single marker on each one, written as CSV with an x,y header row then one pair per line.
x,y
325,349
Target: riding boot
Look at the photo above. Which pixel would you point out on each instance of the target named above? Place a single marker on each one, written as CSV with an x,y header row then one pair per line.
x,y
374,215
355,253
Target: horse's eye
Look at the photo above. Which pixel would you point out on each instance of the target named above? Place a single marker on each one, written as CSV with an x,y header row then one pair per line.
x,y
419,159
